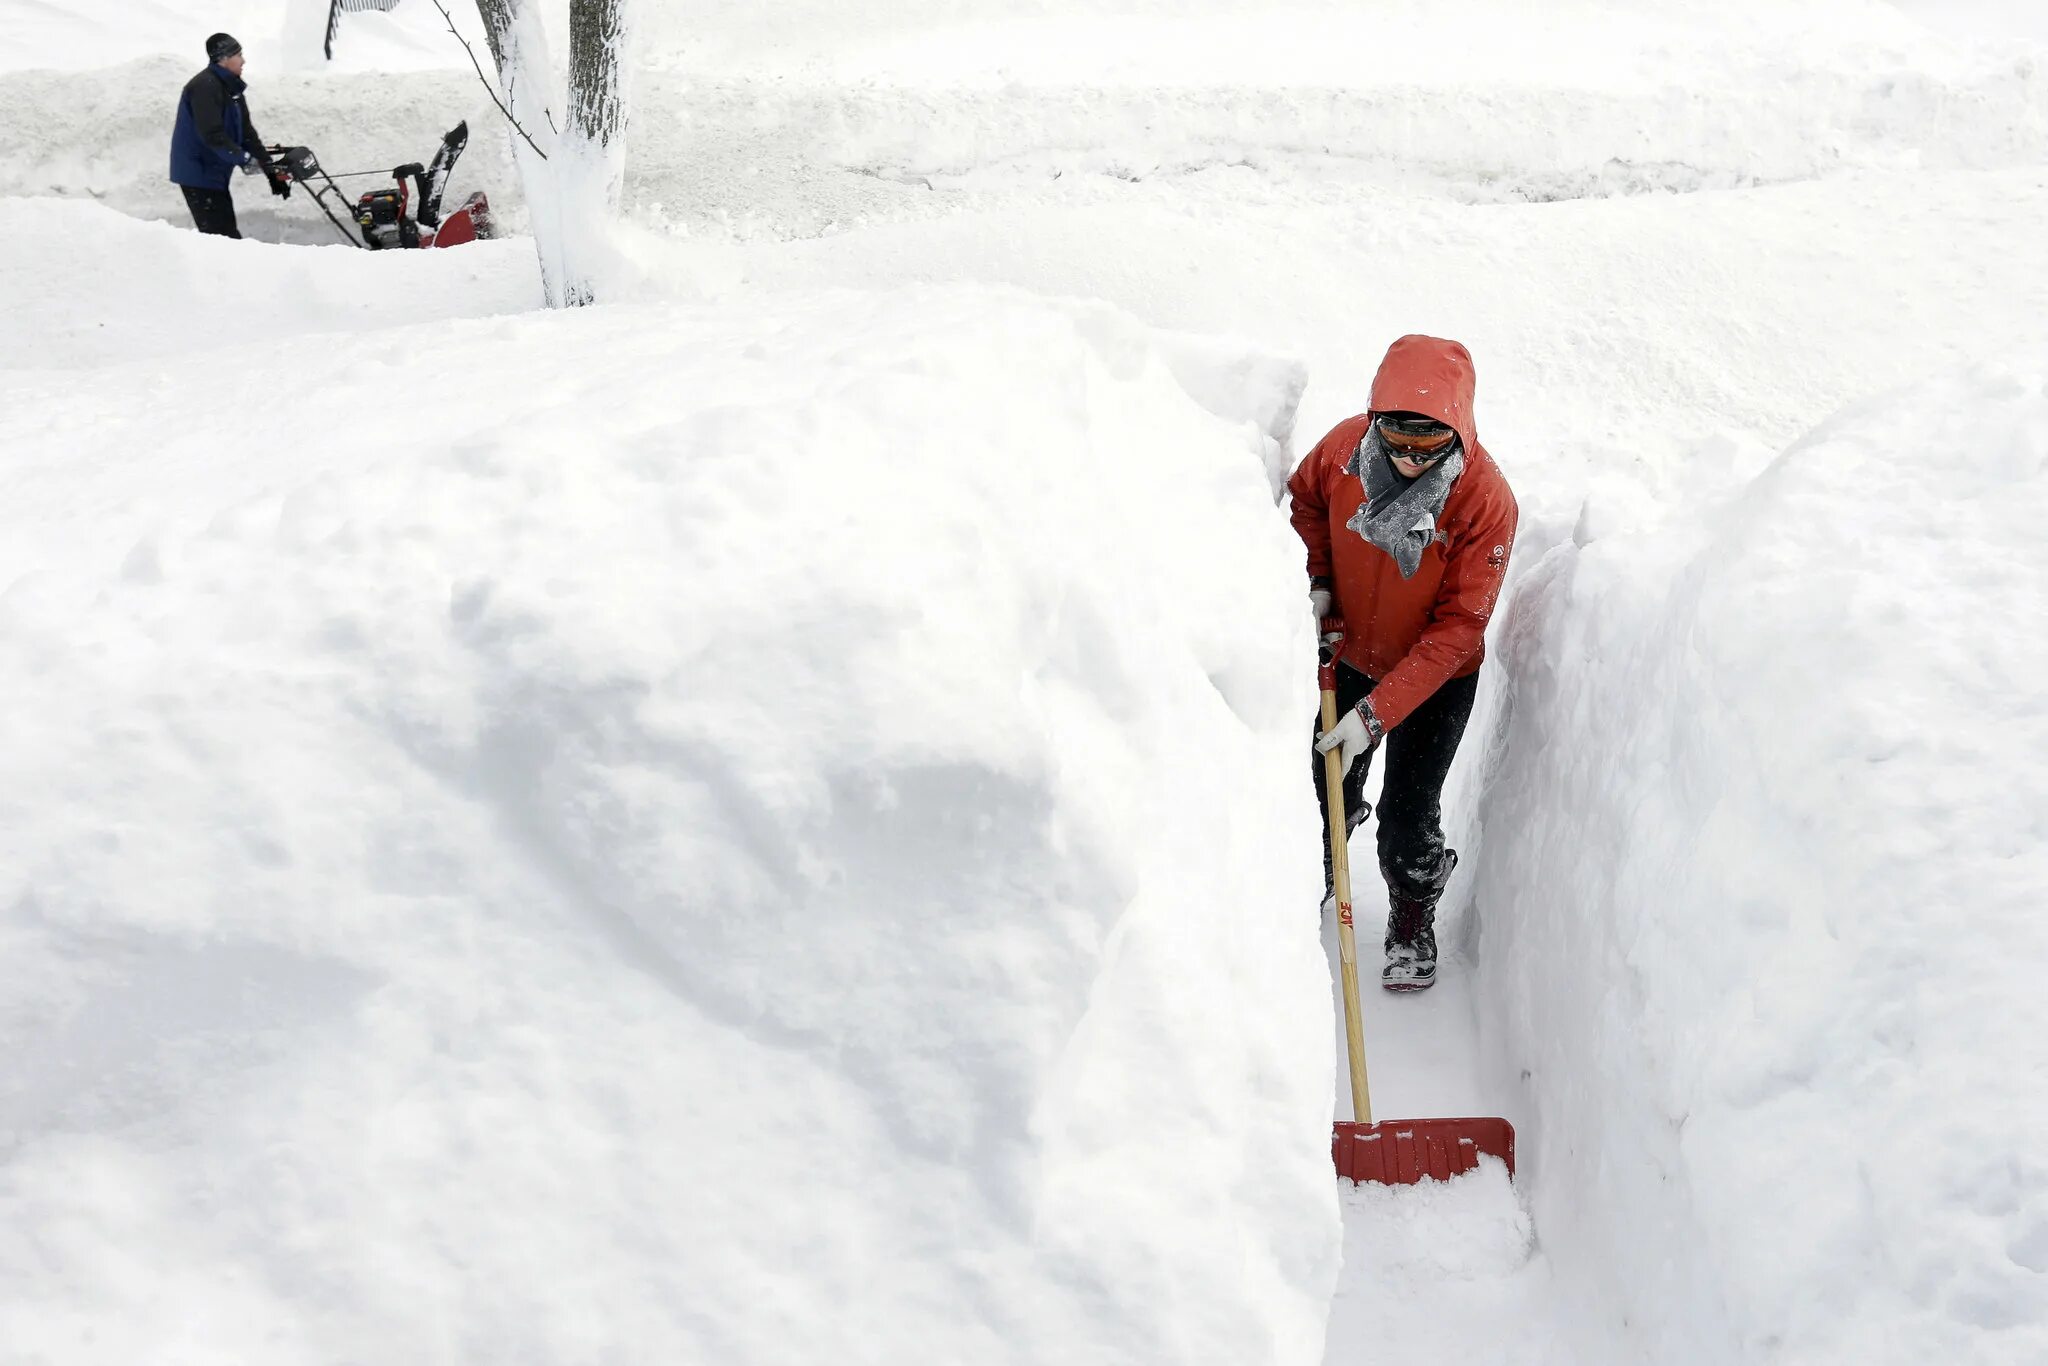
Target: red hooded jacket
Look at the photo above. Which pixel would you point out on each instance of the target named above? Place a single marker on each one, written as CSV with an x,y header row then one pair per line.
x,y
1411,635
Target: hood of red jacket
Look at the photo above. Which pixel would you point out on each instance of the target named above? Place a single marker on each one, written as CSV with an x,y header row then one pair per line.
x,y
1431,376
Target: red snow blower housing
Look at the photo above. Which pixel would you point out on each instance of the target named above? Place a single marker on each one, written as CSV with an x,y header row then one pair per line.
x,y
404,214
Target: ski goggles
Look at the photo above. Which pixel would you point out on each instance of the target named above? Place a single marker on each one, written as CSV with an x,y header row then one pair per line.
x,y
1415,437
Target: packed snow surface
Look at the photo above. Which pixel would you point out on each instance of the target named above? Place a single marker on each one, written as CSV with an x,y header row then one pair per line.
x,y
768,820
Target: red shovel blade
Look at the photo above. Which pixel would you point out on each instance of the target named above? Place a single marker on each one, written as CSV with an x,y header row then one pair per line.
x,y
1400,1152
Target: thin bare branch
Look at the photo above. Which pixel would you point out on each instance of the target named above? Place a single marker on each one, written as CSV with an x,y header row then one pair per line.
x,y
449,19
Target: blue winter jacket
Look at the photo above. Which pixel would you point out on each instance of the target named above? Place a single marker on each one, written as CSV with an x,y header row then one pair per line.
x,y
213,134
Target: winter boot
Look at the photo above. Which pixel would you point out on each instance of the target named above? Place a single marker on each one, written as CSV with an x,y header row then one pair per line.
x,y
1410,946
1412,922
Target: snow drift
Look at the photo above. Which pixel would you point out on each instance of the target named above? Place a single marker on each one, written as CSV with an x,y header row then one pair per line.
x,y
105,289
801,121
1760,895
787,843
433,749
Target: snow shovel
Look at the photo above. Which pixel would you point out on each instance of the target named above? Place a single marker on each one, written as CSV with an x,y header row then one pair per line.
x,y
1395,1152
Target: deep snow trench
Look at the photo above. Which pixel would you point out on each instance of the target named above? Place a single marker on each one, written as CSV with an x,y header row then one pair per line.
x,y
785,832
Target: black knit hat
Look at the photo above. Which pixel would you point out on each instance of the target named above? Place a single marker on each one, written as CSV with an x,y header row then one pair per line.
x,y
221,46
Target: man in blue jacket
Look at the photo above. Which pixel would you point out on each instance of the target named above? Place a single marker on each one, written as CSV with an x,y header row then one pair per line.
x,y
214,137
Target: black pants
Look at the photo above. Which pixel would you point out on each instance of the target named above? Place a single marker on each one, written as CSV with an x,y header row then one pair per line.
x,y
212,211
1419,753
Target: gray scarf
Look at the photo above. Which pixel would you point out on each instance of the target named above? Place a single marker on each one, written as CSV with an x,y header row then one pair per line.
x,y
1399,515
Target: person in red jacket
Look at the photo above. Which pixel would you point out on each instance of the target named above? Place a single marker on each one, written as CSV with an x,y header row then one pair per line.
x,y
1408,524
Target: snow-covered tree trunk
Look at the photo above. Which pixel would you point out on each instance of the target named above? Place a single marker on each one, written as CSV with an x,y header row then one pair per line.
x,y
572,171
592,166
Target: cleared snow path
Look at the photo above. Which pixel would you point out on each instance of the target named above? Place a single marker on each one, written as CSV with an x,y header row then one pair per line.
x,y
1459,1260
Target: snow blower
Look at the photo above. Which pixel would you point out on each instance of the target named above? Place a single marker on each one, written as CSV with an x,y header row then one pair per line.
x,y
402,215
1396,1152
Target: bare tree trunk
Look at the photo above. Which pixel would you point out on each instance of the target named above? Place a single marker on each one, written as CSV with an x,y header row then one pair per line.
x,y
497,17
596,48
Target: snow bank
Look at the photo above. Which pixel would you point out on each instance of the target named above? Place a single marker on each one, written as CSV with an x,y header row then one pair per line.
x,y
103,288
817,117
659,834
1611,334
1546,102
1760,896
2009,19
276,35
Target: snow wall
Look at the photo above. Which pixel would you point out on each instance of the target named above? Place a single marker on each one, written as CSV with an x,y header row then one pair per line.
x,y
791,843
1759,896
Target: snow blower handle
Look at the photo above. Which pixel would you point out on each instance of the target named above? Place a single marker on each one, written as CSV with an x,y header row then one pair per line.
x,y
295,163
416,173
1332,645
299,164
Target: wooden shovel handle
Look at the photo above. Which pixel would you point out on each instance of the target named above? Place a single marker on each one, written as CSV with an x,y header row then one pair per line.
x,y
1340,865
